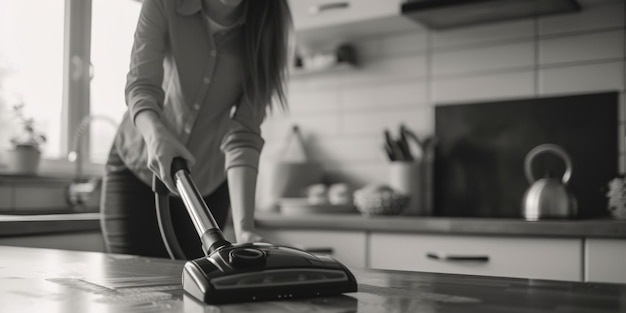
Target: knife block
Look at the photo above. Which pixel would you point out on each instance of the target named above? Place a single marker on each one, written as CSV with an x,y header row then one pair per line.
x,y
405,177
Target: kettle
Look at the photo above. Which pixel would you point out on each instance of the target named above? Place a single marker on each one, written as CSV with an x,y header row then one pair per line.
x,y
548,197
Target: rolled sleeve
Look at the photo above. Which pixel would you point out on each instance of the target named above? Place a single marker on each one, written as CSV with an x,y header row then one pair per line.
x,y
145,77
242,144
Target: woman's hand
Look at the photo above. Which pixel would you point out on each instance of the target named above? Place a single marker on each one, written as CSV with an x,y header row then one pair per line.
x,y
248,236
241,188
162,147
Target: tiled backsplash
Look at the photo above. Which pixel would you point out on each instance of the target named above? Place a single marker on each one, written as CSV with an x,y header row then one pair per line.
x,y
402,76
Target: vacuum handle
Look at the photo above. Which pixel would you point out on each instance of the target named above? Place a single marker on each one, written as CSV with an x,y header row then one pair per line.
x,y
178,164
209,232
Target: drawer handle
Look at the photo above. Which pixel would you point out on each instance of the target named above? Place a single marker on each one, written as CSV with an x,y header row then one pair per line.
x,y
319,9
457,257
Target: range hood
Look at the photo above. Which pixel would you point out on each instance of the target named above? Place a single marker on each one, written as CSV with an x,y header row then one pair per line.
x,y
445,14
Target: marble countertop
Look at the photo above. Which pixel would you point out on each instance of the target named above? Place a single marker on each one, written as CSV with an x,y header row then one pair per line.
x,y
39,280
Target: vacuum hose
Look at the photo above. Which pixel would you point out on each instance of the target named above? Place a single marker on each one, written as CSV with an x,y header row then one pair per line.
x,y
164,219
209,232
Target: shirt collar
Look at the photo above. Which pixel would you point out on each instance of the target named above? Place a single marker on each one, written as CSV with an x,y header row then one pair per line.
x,y
191,7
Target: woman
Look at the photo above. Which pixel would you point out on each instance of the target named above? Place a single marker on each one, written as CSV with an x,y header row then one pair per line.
x,y
202,75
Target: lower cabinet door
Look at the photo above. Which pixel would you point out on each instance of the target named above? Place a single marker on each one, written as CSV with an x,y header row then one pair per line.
x,y
535,258
345,246
605,260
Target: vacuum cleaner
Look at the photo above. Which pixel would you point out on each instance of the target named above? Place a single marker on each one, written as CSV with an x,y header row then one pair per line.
x,y
248,271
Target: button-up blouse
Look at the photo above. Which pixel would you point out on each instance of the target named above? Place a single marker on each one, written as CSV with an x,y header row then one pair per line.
x,y
193,80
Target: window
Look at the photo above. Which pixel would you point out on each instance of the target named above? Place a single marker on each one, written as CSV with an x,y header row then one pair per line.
x,y
31,52
68,59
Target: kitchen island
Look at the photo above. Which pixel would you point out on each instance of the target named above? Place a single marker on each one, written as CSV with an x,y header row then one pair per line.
x,y
48,280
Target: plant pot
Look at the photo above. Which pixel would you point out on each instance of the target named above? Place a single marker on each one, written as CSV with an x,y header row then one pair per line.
x,y
23,160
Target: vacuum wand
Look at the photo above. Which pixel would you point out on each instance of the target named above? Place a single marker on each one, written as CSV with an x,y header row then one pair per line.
x,y
209,232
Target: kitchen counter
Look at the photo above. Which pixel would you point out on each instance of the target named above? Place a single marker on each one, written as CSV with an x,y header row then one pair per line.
x,y
14,225
18,225
599,228
37,280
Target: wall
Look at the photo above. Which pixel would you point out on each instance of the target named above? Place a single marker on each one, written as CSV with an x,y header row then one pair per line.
x,y
43,195
403,75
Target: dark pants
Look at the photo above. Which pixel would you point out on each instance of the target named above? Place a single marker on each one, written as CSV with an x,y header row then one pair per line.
x,y
129,223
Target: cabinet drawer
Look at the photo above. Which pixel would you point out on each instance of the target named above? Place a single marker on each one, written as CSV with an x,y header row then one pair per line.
x,y
40,198
347,247
308,14
539,258
6,198
605,260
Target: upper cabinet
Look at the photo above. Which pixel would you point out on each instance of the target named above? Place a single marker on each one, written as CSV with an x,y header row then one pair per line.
x,y
321,21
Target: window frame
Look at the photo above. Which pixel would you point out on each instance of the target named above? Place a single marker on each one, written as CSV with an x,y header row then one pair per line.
x,y
76,91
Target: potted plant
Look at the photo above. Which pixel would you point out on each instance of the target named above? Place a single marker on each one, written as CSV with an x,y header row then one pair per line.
x,y
24,155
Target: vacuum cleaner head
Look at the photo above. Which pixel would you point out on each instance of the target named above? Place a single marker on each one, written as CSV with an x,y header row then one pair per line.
x,y
260,271
243,272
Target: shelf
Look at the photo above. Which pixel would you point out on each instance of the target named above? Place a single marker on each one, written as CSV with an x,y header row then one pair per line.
x,y
344,67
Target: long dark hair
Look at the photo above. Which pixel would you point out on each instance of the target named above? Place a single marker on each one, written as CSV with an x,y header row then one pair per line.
x,y
267,46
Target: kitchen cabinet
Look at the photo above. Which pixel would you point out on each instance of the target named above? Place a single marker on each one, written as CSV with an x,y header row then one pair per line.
x,y
605,260
43,195
573,250
346,246
541,258
6,198
536,257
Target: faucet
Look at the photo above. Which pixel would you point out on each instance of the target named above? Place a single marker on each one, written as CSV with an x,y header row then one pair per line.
x,y
81,190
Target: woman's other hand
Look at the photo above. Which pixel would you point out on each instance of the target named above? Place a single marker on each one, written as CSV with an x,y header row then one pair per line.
x,y
248,236
162,147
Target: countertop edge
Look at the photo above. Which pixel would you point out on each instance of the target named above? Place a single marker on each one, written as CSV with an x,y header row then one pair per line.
x,y
22,225
597,228
16,225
